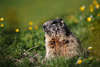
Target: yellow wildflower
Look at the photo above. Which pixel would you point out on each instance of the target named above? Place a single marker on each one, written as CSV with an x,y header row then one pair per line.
x,y
1,19
90,48
98,14
30,28
89,19
35,27
79,61
17,30
97,6
91,8
95,2
2,25
82,8
30,23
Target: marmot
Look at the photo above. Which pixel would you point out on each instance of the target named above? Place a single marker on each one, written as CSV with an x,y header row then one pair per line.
x,y
60,41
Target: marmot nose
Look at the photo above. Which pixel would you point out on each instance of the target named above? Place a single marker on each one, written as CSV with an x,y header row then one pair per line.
x,y
44,26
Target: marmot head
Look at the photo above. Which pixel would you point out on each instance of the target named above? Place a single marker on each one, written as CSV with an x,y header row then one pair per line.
x,y
56,27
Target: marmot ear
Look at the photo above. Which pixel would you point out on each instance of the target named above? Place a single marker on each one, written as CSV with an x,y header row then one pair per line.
x,y
62,21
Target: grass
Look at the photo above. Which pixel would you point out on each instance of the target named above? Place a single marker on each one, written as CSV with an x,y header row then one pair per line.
x,y
26,47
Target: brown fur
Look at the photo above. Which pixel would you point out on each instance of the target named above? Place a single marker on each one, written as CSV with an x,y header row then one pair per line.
x,y
68,47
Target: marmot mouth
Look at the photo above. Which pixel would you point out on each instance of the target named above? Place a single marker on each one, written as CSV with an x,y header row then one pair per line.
x,y
44,28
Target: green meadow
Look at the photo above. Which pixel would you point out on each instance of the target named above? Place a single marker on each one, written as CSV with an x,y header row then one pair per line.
x,y
22,42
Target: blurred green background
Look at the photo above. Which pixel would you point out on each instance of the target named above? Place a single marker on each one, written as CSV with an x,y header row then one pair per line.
x,y
35,10
26,46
